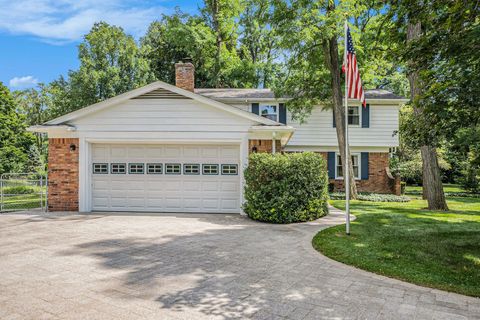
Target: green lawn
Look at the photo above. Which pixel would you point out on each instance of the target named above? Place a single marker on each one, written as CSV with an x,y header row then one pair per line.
x,y
405,241
22,202
448,188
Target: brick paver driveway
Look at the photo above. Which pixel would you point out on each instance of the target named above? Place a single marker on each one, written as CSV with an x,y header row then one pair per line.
x,y
193,267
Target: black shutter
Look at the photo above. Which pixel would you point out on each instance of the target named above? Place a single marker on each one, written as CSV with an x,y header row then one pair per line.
x,y
282,113
331,165
366,116
255,108
364,165
334,122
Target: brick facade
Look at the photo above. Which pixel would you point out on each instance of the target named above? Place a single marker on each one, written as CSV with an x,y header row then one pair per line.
x,y
264,146
185,76
379,178
62,174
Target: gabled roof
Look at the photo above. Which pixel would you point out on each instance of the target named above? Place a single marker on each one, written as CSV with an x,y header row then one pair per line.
x,y
252,94
154,87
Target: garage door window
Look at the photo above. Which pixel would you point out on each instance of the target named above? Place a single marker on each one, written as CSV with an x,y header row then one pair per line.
x,y
100,168
173,168
210,169
135,168
229,169
118,168
154,168
190,168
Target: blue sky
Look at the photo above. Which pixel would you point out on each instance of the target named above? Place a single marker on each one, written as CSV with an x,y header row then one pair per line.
x,y
39,38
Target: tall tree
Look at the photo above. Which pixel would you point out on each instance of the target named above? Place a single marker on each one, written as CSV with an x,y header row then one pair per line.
x,y
221,16
110,64
258,42
312,73
176,37
15,141
441,52
432,182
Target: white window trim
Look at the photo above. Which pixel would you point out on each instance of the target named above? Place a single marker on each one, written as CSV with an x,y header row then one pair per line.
x,y
359,125
268,105
358,154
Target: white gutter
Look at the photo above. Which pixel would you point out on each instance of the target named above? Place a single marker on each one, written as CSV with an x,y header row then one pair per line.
x,y
48,128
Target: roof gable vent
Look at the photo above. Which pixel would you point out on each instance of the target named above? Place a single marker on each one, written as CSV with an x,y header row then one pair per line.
x,y
161,94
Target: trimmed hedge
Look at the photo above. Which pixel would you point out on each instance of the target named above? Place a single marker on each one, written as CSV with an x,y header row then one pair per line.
x,y
374,197
286,188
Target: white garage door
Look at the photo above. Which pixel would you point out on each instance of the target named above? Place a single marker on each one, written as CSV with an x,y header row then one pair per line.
x,y
165,178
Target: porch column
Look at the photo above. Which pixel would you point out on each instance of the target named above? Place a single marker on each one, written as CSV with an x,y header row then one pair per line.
x,y
274,144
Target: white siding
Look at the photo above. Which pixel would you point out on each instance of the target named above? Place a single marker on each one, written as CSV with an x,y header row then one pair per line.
x,y
318,130
162,115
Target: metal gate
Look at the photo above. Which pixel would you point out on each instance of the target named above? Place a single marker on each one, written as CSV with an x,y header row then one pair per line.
x,y
23,191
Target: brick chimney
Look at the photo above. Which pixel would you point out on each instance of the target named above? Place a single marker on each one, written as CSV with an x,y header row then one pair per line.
x,y
185,75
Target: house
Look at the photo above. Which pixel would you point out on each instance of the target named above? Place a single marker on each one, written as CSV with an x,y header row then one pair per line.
x,y
172,148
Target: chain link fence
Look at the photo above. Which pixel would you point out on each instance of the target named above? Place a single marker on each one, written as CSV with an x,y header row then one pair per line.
x,y
23,191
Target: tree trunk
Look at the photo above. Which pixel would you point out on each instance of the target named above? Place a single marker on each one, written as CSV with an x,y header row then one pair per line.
x,y
331,55
432,182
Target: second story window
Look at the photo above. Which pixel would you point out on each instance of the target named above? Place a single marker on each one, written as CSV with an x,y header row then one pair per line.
x,y
269,112
354,115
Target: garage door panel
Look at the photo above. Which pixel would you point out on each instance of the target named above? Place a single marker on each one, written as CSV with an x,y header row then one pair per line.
x,y
229,204
229,186
191,152
164,192
192,186
118,202
210,185
117,152
154,152
101,185
211,203
229,153
173,152
210,152
192,203
99,154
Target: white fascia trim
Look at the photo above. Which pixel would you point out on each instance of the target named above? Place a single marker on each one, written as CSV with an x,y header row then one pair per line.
x,y
162,141
156,85
251,100
46,129
277,128
324,148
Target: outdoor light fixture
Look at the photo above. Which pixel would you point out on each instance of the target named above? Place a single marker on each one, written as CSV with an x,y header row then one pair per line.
x,y
73,147
254,149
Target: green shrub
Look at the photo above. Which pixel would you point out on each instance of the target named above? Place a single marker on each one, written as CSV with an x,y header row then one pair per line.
x,y
18,190
286,188
374,197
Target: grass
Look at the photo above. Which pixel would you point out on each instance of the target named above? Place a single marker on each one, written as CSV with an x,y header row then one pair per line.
x,y
405,241
22,202
447,188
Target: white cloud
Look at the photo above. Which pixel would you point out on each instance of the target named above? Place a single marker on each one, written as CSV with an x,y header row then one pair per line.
x,y
60,21
23,82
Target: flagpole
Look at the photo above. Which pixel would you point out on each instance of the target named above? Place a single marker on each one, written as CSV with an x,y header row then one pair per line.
x,y
347,158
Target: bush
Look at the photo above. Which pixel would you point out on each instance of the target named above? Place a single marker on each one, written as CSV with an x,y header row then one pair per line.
x,y
18,190
286,188
470,179
374,197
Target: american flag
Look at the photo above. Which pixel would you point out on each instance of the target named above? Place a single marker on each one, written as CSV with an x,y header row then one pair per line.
x,y
352,75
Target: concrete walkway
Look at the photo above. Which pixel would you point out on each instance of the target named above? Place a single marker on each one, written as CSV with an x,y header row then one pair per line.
x,y
186,266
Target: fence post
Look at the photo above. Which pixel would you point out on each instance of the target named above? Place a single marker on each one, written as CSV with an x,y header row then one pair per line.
x,y
1,193
41,193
